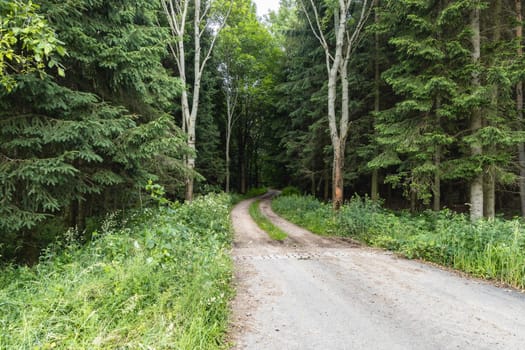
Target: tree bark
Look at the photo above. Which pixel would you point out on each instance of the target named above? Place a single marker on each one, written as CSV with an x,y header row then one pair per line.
x,y
489,198
519,105
230,108
436,190
375,185
326,188
489,187
81,217
176,12
337,59
374,195
476,186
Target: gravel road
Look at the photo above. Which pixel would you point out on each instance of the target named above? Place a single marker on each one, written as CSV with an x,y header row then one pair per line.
x,y
310,292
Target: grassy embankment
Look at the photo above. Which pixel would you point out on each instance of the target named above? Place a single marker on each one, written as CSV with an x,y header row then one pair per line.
x,y
159,281
489,249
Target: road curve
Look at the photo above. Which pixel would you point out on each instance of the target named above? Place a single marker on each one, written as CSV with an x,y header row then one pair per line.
x,y
311,292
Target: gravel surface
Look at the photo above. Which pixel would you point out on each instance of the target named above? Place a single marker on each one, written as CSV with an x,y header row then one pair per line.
x,y
310,292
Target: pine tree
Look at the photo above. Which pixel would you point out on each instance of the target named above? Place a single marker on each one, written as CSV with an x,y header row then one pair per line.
x,y
85,143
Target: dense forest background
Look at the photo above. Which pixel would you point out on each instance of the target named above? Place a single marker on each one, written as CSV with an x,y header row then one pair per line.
x,y
90,108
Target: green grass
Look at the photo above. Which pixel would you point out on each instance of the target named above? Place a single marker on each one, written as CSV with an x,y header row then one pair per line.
x,y
266,225
489,249
160,281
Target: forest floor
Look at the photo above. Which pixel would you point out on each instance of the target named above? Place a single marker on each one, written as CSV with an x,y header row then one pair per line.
x,y
312,292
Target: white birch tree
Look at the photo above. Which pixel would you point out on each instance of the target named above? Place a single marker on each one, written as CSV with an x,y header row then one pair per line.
x,y
347,32
205,19
519,104
476,122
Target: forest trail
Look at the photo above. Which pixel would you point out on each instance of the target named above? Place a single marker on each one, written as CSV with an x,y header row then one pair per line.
x,y
310,292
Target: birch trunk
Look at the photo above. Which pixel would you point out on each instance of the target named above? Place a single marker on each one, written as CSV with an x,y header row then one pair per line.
x,y
377,76
326,187
337,59
337,171
519,105
489,198
476,186
176,13
375,185
230,108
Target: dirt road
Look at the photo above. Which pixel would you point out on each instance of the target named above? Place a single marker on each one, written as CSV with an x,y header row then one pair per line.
x,y
315,293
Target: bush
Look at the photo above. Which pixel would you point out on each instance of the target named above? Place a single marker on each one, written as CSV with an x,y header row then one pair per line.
x,y
160,280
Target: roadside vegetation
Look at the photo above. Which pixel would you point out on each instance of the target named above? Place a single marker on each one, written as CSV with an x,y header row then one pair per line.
x,y
491,249
266,225
156,280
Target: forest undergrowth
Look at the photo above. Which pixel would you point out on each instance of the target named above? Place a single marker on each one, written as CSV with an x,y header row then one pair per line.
x,y
157,280
491,249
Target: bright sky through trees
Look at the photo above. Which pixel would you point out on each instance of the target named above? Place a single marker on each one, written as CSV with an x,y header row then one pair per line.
x,y
263,6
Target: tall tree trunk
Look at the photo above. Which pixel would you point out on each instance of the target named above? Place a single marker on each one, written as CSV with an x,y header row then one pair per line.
x,y
337,177
337,64
230,107
81,217
377,79
312,183
374,195
339,151
436,186
476,123
519,104
326,188
243,175
436,190
190,162
489,187
228,163
176,13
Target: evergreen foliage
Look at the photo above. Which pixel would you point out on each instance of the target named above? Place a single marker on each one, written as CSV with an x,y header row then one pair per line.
x,y
86,143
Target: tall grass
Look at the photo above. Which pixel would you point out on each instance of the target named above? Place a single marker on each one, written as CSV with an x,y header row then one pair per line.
x,y
490,249
159,281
